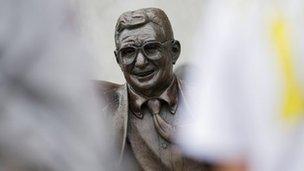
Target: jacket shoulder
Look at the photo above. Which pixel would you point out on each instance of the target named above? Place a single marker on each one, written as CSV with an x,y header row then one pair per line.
x,y
109,93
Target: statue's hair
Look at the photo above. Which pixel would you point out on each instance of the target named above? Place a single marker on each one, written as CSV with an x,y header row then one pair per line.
x,y
140,17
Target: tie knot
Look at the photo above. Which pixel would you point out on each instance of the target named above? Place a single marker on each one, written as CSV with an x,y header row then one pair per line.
x,y
154,106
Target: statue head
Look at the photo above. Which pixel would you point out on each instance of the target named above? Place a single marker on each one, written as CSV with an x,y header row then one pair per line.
x,y
146,50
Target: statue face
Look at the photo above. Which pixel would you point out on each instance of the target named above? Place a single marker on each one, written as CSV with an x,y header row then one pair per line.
x,y
145,59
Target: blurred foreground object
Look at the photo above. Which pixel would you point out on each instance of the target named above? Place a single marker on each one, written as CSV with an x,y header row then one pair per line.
x,y
250,106
49,119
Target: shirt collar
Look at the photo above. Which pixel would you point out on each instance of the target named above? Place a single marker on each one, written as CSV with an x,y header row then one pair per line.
x,y
170,96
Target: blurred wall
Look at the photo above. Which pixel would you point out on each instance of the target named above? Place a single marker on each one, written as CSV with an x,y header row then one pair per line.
x,y
98,19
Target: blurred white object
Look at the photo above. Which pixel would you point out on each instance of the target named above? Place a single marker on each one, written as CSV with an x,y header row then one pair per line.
x,y
246,98
50,118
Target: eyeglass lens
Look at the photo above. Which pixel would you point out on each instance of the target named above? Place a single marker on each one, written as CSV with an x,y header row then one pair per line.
x,y
150,50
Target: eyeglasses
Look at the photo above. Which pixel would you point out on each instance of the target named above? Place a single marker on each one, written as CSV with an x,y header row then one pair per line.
x,y
151,50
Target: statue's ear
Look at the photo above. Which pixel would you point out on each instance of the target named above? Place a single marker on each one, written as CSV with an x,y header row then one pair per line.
x,y
175,49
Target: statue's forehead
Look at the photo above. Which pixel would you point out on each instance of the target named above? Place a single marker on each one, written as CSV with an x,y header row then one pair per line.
x,y
139,38
140,34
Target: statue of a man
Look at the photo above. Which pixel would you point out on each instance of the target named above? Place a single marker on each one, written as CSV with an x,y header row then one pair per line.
x,y
145,109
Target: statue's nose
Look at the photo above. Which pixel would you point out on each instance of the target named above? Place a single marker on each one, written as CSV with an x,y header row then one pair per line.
x,y
141,61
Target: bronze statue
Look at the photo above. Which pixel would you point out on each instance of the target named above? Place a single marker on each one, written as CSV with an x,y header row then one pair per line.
x,y
145,109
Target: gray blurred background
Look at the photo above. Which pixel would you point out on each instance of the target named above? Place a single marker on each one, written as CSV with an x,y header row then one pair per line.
x,y
98,19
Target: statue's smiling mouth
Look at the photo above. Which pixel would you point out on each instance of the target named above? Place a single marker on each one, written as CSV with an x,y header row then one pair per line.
x,y
145,73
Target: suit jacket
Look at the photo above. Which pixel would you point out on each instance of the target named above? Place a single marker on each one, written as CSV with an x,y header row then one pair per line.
x,y
116,103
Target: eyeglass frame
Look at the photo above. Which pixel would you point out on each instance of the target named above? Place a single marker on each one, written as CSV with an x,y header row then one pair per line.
x,y
141,48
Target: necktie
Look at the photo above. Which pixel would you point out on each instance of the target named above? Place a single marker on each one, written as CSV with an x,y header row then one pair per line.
x,y
162,127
